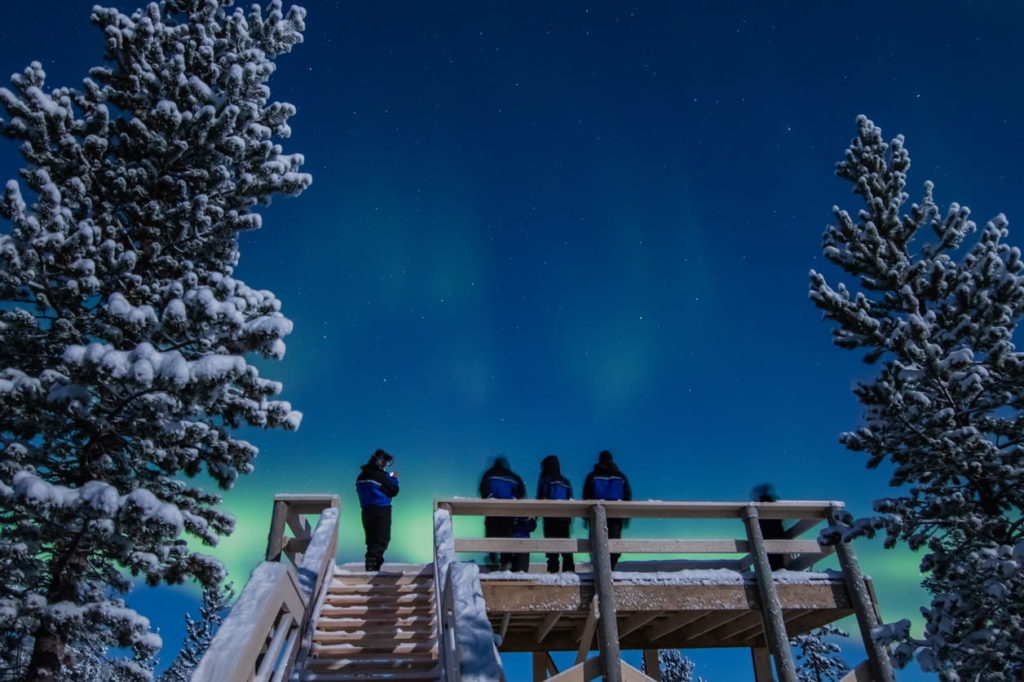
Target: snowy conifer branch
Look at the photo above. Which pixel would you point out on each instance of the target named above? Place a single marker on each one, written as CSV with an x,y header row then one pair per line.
x,y
123,332
945,409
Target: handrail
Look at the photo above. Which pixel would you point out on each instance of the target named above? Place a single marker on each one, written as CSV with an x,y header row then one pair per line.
x,y
261,638
458,595
263,624
788,509
800,553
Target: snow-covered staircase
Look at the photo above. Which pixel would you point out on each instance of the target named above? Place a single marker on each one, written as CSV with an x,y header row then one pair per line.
x,y
380,625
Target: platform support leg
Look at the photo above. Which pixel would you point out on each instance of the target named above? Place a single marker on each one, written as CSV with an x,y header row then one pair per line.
x,y
762,664
863,605
771,609
652,666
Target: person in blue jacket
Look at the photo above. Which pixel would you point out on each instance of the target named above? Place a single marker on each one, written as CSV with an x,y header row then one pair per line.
x,y
375,487
501,483
606,482
552,485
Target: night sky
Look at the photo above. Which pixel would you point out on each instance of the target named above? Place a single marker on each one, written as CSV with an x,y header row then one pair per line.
x,y
543,227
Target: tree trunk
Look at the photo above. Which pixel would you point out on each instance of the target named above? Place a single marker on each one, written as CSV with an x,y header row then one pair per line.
x,y
47,655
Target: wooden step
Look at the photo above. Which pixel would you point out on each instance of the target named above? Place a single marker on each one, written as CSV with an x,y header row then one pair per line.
x,y
376,650
372,666
353,610
425,634
388,589
376,623
374,598
412,676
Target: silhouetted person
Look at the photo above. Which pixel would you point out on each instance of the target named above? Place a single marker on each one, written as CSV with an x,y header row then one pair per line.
x,y
606,482
771,529
500,483
554,486
376,487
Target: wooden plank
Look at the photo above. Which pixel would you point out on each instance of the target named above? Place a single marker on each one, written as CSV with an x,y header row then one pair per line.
x,y
652,664
789,509
583,671
637,621
672,624
771,607
546,625
710,622
668,546
351,611
762,661
801,527
631,674
370,636
548,545
587,634
525,596
376,650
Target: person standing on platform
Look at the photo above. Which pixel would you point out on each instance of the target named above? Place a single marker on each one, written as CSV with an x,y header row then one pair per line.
x,y
771,529
501,483
375,487
606,482
554,486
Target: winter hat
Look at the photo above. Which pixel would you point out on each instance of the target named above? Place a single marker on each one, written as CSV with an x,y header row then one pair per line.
x,y
605,457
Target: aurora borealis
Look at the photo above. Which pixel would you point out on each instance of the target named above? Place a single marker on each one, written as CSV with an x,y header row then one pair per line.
x,y
561,227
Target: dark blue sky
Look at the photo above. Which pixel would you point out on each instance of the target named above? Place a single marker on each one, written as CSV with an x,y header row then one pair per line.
x,y
545,227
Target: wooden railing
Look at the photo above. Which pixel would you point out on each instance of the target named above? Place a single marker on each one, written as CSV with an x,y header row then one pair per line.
x,y
266,630
752,548
460,599
800,553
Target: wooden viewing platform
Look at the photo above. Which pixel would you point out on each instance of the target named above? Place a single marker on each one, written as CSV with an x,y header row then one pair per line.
x,y
317,622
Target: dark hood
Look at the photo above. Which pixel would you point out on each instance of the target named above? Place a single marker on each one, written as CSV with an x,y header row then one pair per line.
x,y
549,466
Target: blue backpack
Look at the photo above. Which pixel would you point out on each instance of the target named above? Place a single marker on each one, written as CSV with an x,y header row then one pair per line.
x,y
609,487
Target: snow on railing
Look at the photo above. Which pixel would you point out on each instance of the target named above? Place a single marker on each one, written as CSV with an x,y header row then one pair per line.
x,y
268,626
467,647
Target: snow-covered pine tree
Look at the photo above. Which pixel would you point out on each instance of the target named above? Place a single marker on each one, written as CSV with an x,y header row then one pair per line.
x,y
675,667
199,633
123,332
946,408
817,659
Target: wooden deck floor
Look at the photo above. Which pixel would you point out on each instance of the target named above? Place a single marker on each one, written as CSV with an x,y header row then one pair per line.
x,y
533,612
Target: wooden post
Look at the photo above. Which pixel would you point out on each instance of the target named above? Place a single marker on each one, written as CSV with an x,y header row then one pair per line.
x,y
607,627
540,666
762,664
275,540
863,605
652,666
771,610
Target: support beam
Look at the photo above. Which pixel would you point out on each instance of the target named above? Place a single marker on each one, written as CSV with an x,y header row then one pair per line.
x,y
771,610
600,557
637,622
671,625
762,664
652,665
505,618
545,627
863,605
543,666
587,636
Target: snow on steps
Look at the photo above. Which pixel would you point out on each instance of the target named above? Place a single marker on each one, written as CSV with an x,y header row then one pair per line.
x,y
375,626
